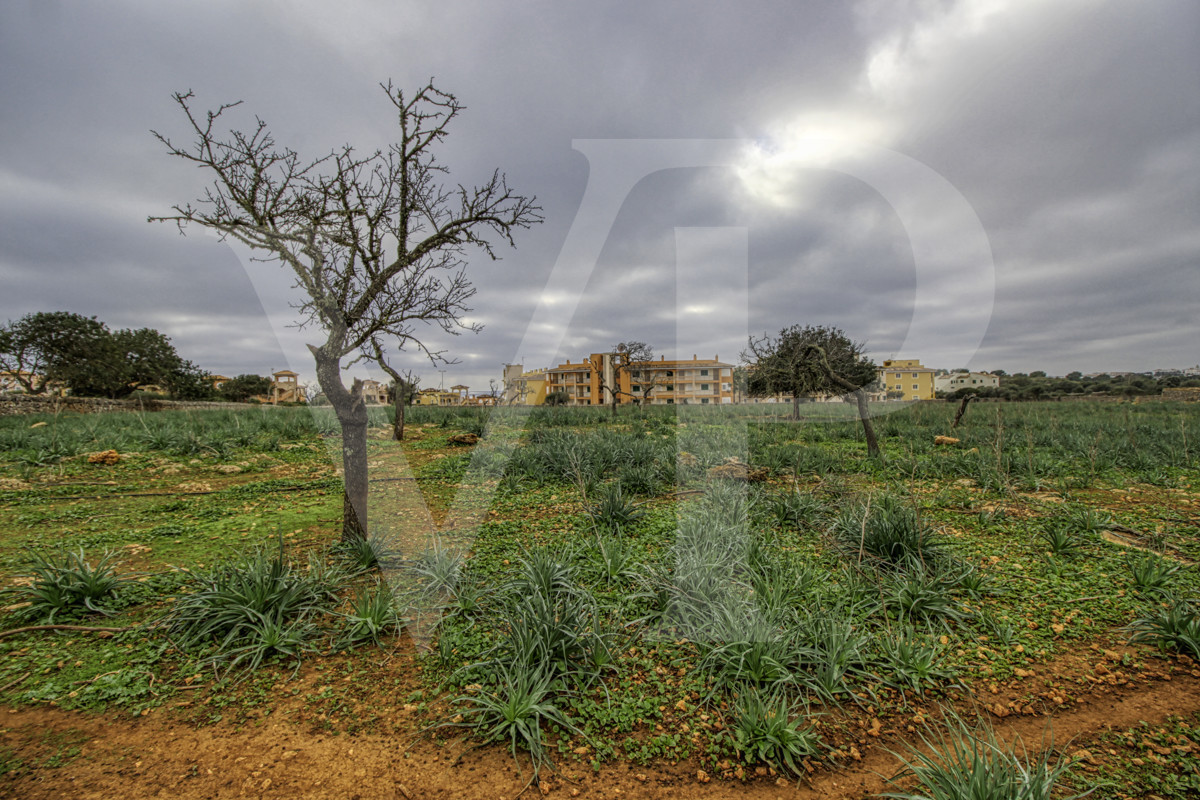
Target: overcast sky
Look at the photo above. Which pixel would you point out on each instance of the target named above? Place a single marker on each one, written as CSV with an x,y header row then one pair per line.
x,y
973,183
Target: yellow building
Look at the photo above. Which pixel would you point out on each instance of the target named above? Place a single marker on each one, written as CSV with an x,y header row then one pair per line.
x,y
677,382
524,388
906,379
437,397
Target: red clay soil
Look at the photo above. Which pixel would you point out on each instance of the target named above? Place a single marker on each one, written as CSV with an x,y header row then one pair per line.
x,y
157,756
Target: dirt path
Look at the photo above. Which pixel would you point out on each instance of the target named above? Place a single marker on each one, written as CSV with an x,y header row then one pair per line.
x,y
157,756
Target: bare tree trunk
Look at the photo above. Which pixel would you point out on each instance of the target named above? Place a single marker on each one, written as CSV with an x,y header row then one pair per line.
x,y
351,411
962,410
795,406
864,416
860,398
398,422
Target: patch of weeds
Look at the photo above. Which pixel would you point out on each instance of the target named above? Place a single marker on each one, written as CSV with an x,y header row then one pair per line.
x,y
911,662
1062,539
372,616
612,511
514,710
257,606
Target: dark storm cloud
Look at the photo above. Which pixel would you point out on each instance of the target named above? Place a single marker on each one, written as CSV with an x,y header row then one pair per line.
x,y
1071,129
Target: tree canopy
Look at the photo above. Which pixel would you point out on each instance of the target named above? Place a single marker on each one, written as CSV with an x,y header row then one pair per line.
x,y
83,355
811,360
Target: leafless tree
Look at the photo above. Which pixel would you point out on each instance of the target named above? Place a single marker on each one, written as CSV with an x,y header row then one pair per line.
x,y
376,242
626,358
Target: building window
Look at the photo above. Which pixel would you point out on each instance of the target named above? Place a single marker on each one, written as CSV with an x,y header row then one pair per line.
x,y
704,387
703,401
914,374
670,387
703,373
916,386
670,402
670,374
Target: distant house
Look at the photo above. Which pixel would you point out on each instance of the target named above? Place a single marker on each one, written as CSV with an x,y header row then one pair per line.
x,y
952,382
219,380
908,379
10,382
374,393
285,387
437,397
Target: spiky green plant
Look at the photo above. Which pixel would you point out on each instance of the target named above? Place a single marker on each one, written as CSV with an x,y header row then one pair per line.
x,y
968,762
63,582
612,511
768,729
373,615
1152,573
889,531
1174,624
514,710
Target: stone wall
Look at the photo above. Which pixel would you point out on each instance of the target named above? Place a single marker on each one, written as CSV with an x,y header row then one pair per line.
x,y
15,404
1188,394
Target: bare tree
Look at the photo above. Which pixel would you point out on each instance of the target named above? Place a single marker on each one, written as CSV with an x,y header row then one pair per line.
x,y
376,242
626,358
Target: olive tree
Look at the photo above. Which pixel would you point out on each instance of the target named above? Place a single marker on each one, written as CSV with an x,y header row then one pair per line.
x,y
376,242
812,360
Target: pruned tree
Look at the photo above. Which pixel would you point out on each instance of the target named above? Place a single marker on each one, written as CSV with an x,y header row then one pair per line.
x,y
812,360
625,358
376,243
404,387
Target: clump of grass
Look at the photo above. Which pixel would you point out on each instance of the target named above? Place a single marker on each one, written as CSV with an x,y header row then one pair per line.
x,y
611,560
888,531
437,570
767,729
922,594
64,582
909,662
1172,625
372,552
795,508
968,761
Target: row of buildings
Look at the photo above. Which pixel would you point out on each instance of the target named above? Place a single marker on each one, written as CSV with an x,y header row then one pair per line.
x,y
593,381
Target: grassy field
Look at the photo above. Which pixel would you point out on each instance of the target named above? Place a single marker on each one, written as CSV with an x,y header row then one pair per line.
x,y
719,588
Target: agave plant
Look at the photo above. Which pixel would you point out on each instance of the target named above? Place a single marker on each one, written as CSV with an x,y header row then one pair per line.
x,y
64,581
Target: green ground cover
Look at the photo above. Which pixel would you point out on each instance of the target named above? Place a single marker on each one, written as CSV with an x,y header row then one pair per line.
x,y
584,587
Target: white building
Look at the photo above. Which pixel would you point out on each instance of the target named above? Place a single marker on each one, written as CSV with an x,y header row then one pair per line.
x,y
952,382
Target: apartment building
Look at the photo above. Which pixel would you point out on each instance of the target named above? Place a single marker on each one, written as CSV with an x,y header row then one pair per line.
x,y
907,379
694,381
522,387
954,381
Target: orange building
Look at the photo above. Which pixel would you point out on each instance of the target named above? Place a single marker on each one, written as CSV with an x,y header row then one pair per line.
x,y
591,381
